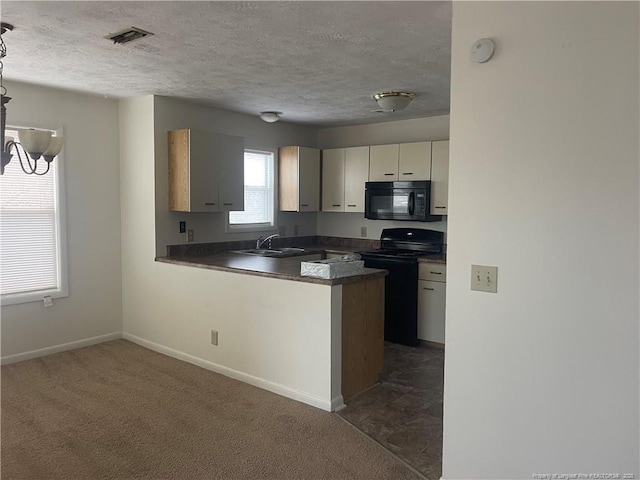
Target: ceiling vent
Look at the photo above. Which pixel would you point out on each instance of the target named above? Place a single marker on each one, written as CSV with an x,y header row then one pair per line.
x,y
128,35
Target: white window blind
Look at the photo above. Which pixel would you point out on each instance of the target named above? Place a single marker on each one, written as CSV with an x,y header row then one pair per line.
x,y
29,228
258,191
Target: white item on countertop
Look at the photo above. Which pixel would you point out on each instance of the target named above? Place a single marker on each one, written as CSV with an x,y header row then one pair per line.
x,y
345,266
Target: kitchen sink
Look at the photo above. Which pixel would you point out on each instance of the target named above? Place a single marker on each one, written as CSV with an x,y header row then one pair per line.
x,y
278,253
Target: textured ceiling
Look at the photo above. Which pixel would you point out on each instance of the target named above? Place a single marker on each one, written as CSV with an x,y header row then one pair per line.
x,y
317,62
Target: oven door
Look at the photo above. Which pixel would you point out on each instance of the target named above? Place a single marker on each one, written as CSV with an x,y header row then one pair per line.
x,y
384,201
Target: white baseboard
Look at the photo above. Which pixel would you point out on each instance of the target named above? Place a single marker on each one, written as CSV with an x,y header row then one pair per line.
x,y
323,404
43,352
337,403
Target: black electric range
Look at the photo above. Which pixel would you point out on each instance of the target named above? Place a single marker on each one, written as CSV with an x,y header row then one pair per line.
x,y
400,249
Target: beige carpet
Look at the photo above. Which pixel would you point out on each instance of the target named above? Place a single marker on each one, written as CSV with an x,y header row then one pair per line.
x,y
120,411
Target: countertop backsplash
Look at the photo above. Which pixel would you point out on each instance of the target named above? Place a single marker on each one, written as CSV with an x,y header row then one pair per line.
x,y
332,243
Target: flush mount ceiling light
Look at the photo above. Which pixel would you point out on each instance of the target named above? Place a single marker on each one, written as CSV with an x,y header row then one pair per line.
x,y
35,143
270,117
392,101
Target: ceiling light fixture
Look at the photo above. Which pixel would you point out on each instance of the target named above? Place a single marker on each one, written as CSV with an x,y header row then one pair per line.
x,y
36,143
270,117
392,101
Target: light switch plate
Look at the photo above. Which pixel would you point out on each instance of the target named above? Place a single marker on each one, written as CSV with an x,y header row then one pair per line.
x,y
484,278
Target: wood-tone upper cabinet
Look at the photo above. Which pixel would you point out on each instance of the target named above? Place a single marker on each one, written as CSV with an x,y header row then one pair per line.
x,y
333,176
206,171
299,179
356,174
414,161
383,163
440,177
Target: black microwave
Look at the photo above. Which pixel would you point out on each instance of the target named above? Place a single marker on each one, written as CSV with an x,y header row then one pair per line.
x,y
399,201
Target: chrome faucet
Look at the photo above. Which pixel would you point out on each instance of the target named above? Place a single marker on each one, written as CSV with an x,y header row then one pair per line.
x,y
262,240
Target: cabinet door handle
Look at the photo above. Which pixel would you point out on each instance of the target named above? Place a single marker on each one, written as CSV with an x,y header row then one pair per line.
x,y
209,203
436,273
388,174
351,205
407,173
335,205
440,207
428,288
227,203
304,204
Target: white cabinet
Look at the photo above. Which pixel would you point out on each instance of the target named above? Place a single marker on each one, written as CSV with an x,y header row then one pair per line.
x,y
404,162
299,179
432,295
414,161
383,163
439,177
344,174
356,174
333,175
206,171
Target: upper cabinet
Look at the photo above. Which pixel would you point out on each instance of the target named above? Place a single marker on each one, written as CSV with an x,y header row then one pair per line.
x,y
299,179
356,174
383,163
440,177
404,162
344,173
414,162
333,171
206,171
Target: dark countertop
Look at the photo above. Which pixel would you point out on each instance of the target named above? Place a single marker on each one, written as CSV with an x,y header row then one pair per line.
x,y
287,268
433,259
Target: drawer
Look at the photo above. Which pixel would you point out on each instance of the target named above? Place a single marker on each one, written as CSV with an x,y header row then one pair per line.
x,y
436,272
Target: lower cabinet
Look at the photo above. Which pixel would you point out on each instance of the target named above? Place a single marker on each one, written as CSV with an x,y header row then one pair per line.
x,y
432,295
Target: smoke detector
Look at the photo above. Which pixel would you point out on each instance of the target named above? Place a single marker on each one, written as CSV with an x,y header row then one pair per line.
x,y
128,35
392,101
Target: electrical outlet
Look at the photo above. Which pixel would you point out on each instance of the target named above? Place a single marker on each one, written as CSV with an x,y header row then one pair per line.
x,y
295,230
190,235
214,337
183,227
363,232
484,279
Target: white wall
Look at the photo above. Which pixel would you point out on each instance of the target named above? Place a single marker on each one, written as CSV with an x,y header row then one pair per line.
x,y
542,377
173,114
273,333
399,131
94,306
392,131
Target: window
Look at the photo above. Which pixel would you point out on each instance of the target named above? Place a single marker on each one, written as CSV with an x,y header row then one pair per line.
x,y
33,249
259,199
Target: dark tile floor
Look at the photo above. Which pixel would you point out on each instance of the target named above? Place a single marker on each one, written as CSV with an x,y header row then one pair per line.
x,y
404,412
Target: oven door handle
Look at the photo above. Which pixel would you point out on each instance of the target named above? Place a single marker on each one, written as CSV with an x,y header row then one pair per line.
x,y
412,203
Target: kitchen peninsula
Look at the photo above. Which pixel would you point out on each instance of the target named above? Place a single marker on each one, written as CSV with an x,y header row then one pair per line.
x,y
328,333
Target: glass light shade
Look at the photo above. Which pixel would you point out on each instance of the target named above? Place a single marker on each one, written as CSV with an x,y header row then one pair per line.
x,y
391,104
270,117
55,147
34,141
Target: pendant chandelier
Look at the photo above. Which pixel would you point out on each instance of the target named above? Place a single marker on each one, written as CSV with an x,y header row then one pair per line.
x,y
32,143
